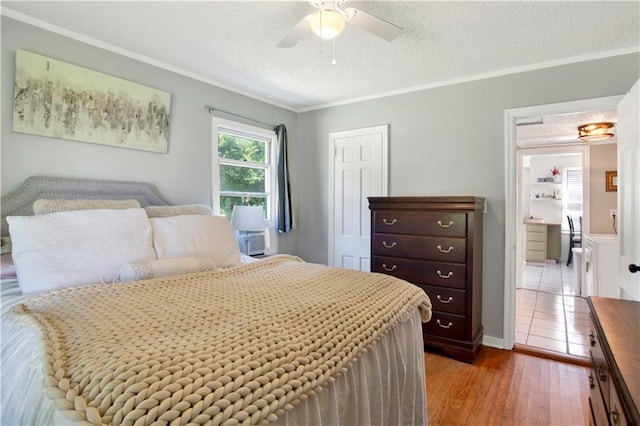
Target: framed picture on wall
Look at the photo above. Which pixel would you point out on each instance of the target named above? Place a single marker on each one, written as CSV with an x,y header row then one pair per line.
x,y
611,180
61,100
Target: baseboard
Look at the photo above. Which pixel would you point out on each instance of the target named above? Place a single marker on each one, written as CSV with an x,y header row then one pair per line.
x,y
556,356
493,342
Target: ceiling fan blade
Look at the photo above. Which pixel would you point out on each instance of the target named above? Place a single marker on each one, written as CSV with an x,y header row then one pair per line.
x,y
296,33
373,24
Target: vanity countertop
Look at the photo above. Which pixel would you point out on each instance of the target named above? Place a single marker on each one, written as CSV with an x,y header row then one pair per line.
x,y
539,222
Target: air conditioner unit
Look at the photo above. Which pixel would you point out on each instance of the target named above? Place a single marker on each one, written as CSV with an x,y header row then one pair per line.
x,y
255,243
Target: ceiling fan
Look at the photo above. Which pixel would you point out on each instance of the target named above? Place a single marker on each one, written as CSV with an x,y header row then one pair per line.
x,y
330,20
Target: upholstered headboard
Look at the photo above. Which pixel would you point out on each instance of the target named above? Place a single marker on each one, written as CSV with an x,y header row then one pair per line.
x,y
20,202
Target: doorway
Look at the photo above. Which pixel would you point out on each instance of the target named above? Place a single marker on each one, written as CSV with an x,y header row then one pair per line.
x,y
551,314
513,216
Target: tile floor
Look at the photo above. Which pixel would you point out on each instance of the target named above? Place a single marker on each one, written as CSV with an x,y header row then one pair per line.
x,y
550,313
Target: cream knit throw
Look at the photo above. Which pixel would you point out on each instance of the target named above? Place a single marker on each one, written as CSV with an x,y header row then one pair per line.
x,y
236,346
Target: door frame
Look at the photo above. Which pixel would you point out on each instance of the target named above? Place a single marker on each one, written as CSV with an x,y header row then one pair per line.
x,y
384,130
512,178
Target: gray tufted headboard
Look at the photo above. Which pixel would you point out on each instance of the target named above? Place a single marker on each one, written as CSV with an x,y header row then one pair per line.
x,y
20,202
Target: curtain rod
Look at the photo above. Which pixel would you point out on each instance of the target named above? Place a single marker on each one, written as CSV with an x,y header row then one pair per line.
x,y
212,109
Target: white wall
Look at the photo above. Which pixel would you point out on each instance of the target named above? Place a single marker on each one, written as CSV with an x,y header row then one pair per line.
x,y
540,167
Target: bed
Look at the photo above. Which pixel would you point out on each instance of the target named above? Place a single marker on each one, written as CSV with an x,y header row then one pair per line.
x,y
191,332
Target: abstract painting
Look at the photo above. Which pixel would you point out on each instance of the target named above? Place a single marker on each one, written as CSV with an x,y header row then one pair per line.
x,y
56,99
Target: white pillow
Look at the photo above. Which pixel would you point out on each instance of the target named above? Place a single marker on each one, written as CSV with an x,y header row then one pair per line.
x,y
196,236
77,247
168,267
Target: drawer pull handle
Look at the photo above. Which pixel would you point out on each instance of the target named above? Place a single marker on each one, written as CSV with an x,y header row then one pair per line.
x,y
591,385
387,245
445,251
444,326
442,225
384,266
615,417
601,376
449,300
386,222
446,277
592,339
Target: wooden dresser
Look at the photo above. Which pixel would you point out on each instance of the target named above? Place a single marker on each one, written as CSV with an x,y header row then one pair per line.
x,y
436,244
614,378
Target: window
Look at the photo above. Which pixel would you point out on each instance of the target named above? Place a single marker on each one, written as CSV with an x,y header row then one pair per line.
x,y
243,167
572,196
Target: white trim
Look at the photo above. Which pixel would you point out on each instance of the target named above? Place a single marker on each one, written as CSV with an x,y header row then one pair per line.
x,y
493,342
269,136
511,195
384,130
10,13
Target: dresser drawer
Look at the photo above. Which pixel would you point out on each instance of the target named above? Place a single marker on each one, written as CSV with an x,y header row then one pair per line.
x,y
427,248
536,236
599,366
422,272
420,223
536,245
536,256
446,299
539,229
445,325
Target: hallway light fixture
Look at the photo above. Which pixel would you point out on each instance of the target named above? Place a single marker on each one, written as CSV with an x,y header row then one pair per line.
x,y
595,131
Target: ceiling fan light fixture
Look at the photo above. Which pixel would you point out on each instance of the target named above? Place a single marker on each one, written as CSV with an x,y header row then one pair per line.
x,y
595,131
327,23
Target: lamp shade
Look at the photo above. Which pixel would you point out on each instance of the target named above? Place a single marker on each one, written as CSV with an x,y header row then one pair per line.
x,y
248,218
327,23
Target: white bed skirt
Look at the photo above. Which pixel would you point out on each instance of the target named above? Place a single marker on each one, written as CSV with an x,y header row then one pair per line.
x,y
385,386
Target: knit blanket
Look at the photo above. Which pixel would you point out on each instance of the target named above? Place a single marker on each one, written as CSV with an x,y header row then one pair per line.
x,y
234,346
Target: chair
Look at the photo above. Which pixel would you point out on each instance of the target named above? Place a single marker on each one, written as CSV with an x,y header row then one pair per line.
x,y
573,238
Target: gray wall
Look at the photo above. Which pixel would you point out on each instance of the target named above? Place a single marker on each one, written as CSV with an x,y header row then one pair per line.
x,y
183,175
446,141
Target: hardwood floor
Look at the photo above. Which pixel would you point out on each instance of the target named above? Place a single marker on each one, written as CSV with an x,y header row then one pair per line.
x,y
506,388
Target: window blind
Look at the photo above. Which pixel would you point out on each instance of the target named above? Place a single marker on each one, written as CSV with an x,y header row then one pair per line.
x,y
572,197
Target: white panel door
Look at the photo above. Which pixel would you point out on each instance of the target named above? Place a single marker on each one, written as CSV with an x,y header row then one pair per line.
x,y
628,134
359,170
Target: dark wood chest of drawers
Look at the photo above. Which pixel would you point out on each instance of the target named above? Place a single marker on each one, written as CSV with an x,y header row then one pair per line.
x,y
614,378
436,244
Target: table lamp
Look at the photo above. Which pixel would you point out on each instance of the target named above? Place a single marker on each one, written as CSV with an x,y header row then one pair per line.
x,y
246,220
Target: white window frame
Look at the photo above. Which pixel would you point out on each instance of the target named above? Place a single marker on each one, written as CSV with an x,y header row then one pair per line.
x,y
269,136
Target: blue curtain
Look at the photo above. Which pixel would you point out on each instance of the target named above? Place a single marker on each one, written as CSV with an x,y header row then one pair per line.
x,y
285,211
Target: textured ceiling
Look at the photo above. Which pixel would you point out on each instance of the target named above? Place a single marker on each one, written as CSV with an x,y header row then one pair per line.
x,y
562,129
233,44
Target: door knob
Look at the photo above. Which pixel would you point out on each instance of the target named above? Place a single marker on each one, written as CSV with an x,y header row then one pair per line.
x,y
634,268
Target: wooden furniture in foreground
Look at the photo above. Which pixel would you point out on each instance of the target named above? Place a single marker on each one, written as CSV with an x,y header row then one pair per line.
x,y
614,378
436,244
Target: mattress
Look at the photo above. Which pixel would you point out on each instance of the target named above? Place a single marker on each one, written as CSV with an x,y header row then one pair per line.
x,y
385,385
